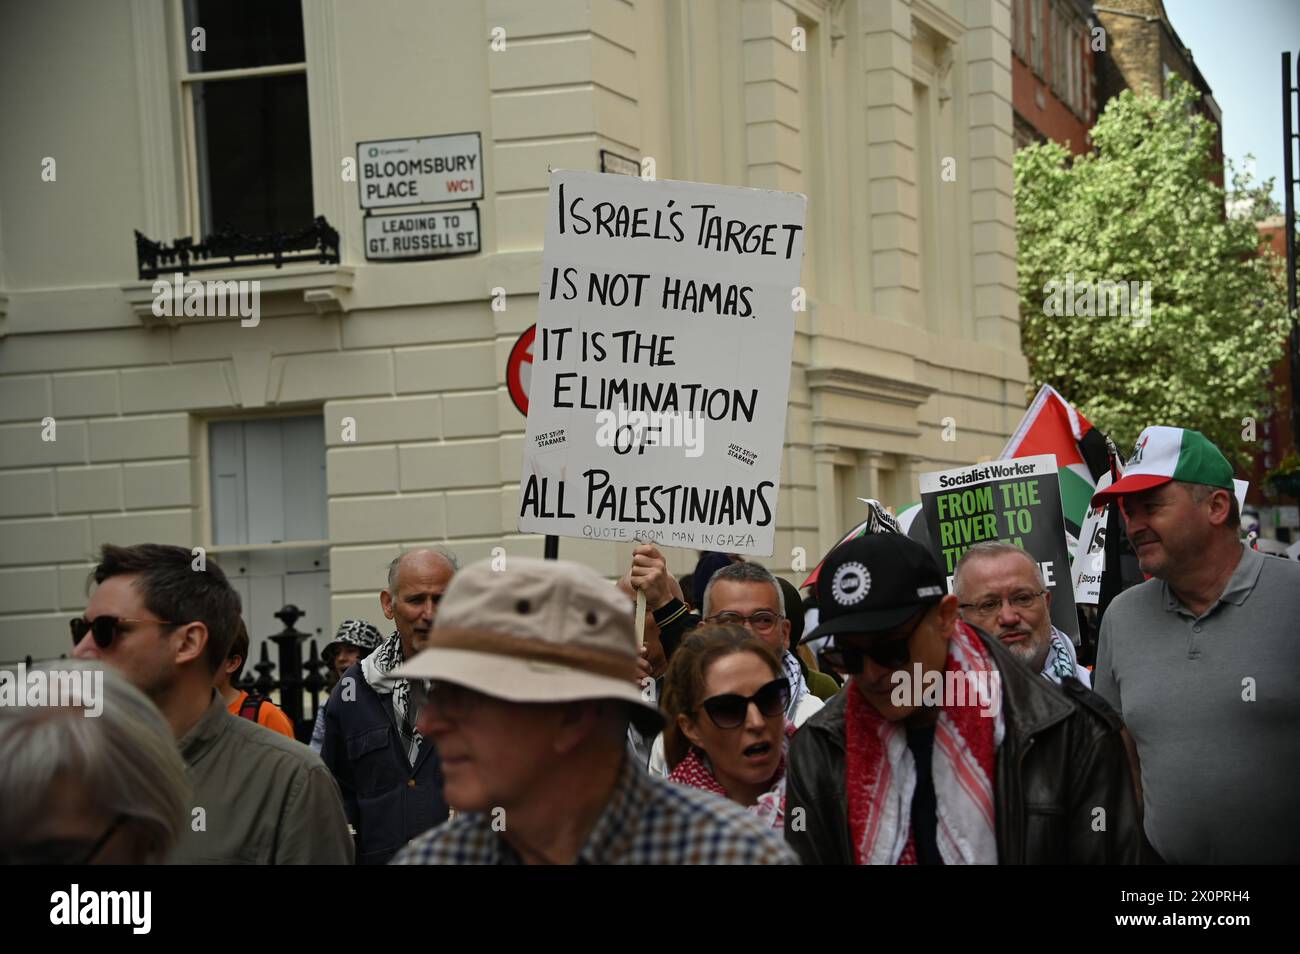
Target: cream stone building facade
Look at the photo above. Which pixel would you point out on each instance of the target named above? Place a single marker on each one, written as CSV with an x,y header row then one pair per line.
x,y
894,117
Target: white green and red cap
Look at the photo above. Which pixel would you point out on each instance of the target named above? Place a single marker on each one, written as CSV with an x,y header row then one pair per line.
x,y
1162,454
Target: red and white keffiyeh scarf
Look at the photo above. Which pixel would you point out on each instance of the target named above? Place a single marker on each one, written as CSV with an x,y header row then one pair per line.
x,y
694,771
881,773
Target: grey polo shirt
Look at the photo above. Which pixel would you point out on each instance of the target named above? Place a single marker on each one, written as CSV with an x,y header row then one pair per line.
x,y
1213,703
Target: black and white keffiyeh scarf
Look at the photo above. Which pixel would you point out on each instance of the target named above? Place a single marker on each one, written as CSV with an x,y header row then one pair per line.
x,y
1061,661
376,668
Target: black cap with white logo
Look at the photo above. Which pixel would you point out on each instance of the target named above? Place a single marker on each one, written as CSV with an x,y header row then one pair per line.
x,y
875,582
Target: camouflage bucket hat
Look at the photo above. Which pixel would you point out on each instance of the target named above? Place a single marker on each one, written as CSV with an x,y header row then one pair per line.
x,y
352,632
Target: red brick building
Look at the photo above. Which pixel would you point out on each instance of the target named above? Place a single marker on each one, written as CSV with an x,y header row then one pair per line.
x,y
1071,57
1053,85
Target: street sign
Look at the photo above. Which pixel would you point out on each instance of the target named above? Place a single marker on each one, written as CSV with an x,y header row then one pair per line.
x,y
620,165
519,369
418,236
423,171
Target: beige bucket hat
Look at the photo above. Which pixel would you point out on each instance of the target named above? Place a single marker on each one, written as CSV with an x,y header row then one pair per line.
x,y
535,631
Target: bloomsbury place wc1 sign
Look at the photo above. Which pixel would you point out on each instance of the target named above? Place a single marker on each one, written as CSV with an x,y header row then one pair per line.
x,y
423,171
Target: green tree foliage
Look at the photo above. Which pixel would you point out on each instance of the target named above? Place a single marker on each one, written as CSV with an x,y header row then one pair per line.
x,y
1140,208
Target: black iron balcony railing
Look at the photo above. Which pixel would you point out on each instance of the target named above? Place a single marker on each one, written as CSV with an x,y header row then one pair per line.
x,y
319,242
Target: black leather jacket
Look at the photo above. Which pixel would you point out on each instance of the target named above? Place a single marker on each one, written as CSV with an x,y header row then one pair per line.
x,y
1062,758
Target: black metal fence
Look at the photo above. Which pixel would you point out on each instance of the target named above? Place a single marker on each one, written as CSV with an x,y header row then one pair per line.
x,y
298,677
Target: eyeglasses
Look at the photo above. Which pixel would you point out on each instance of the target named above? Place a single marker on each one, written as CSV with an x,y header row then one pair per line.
x,y
728,711
105,628
452,701
892,651
1021,601
62,851
760,622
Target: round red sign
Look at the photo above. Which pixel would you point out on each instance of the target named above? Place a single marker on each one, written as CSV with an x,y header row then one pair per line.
x,y
519,369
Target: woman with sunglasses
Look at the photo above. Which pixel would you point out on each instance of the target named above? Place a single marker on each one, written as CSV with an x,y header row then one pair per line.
x,y
724,699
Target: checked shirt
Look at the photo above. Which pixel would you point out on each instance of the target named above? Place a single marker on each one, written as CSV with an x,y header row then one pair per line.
x,y
647,821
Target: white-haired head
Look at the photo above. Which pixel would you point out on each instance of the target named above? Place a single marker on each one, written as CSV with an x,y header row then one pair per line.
x,y
114,756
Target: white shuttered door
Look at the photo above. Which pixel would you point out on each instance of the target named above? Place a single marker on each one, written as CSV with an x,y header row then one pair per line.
x,y
268,487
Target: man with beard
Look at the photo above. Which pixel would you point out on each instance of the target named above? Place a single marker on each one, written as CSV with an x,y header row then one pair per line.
x,y
1000,589
1201,661
390,776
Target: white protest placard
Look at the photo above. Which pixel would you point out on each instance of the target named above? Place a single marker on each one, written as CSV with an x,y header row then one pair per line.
x,y
1090,555
661,365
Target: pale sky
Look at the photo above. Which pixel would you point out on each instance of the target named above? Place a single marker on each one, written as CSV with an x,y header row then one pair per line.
x,y
1238,48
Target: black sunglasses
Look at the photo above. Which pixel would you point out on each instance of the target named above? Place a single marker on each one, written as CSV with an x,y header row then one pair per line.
x,y
105,628
728,711
890,651
57,851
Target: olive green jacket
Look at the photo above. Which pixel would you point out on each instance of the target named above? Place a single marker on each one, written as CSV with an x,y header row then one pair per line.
x,y
258,797
821,685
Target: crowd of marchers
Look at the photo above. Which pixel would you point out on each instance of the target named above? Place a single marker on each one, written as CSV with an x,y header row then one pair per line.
x,y
514,715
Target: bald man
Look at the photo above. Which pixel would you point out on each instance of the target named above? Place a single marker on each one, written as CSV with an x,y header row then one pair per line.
x,y
390,776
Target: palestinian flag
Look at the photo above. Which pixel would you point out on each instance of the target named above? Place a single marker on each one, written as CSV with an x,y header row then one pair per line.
x,y
1053,426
